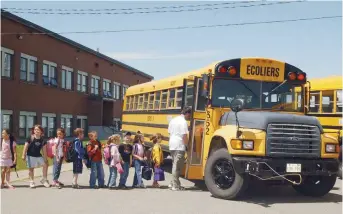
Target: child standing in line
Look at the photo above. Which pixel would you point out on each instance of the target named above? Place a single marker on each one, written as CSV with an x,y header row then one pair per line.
x,y
7,159
33,157
94,153
125,150
113,143
79,154
58,157
138,158
157,156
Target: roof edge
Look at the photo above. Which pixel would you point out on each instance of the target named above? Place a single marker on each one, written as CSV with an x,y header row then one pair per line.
x,y
36,27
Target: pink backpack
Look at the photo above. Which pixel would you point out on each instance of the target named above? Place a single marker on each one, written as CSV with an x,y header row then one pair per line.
x,y
107,154
49,147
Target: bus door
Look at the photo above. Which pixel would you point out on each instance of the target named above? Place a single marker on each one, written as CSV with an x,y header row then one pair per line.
x,y
193,98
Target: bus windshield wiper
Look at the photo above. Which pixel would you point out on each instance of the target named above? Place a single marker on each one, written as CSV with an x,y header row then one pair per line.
x,y
276,87
248,88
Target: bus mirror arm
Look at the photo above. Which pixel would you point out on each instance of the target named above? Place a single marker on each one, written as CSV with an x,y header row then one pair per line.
x,y
237,106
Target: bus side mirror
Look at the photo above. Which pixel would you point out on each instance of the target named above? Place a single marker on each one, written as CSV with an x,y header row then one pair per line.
x,y
237,105
204,90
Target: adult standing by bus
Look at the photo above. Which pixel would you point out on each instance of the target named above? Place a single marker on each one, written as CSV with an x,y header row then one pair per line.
x,y
178,131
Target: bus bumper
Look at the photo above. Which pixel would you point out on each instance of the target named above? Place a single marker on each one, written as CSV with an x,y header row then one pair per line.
x,y
261,166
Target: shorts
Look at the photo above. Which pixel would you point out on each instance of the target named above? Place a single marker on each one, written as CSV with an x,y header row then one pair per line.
x,y
6,162
77,166
34,162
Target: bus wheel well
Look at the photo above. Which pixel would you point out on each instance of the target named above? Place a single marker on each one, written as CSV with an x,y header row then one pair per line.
x,y
217,143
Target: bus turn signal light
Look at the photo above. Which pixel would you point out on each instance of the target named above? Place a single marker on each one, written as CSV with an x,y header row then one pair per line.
x,y
232,71
292,76
222,69
301,77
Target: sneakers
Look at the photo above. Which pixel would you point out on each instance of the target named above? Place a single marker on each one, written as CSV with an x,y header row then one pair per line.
x,y
45,183
170,186
177,188
32,185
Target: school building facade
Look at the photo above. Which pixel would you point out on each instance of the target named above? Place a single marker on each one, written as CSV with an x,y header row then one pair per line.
x,y
50,80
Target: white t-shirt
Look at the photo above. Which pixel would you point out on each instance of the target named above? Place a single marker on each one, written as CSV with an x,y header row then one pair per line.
x,y
177,128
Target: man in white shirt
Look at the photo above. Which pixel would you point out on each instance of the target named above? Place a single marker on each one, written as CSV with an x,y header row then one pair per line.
x,y
178,131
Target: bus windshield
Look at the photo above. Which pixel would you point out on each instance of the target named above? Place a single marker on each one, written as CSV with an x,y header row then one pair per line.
x,y
258,95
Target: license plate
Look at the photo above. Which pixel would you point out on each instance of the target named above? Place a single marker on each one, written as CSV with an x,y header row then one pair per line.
x,y
293,167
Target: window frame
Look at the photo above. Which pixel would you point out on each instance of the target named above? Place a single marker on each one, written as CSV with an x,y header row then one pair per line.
x,y
82,83
66,70
64,117
124,89
27,114
10,114
107,93
52,81
116,90
10,52
29,71
47,130
95,90
82,118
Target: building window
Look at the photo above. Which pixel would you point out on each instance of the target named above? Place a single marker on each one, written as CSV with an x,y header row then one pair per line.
x,y
49,73
82,78
116,91
26,123
82,122
28,68
6,119
6,62
49,124
67,78
95,85
67,124
125,87
106,88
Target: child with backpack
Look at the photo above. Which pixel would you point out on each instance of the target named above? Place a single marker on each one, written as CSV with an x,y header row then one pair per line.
x,y
8,157
95,156
138,158
78,154
157,159
125,150
34,145
58,157
112,158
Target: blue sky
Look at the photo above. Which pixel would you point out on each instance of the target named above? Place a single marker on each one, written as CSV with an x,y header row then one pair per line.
x,y
314,46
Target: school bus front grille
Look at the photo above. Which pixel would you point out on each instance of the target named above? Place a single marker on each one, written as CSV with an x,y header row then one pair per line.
x,y
293,140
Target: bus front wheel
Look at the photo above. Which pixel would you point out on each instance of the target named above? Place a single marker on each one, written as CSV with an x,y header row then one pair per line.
x,y
221,178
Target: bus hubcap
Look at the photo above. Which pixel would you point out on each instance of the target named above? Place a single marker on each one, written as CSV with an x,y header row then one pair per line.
x,y
223,174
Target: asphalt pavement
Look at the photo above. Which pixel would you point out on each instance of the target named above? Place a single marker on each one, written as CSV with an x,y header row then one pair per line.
x,y
259,199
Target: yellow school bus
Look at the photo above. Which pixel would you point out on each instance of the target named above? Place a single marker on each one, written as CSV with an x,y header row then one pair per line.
x,y
326,104
247,123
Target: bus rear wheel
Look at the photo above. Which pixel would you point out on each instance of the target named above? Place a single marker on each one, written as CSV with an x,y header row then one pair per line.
x,y
221,178
316,186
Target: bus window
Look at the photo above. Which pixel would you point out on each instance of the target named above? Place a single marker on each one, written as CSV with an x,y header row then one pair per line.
x,y
164,99
128,103
171,101
145,103
201,100
131,102
135,103
140,102
314,101
327,101
179,98
151,100
339,101
299,101
157,99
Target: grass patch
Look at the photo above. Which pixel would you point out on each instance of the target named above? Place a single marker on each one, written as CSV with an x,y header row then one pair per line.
x,y
21,165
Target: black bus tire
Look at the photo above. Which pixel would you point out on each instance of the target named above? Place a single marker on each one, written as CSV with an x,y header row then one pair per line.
x,y
310,187
239,184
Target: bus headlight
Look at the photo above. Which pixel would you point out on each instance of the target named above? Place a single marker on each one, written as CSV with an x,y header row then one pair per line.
x,y
330,148
242,144
248,144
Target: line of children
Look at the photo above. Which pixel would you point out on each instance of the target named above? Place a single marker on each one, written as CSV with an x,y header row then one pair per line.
x,y
123,155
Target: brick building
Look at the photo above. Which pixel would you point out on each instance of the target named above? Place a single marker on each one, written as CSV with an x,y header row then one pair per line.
x,y
51,80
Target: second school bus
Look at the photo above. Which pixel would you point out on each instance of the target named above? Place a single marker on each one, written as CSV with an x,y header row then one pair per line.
x,y
247,122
